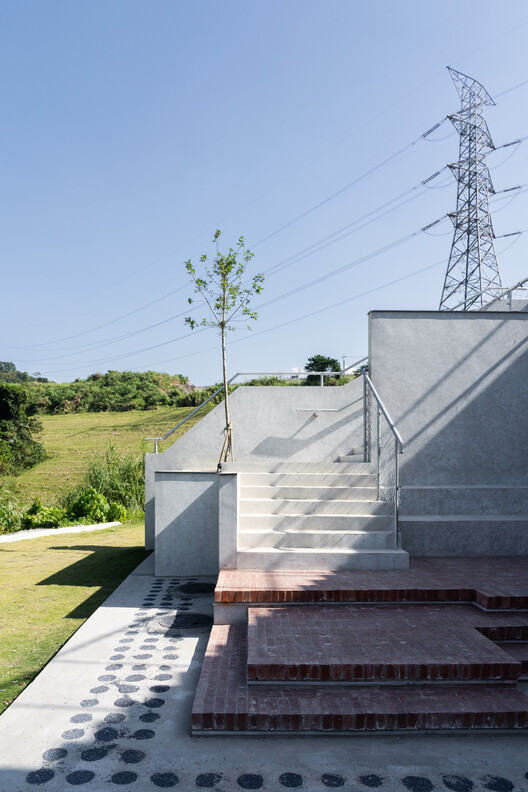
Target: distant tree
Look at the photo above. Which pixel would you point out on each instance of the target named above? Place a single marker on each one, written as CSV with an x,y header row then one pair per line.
x,y
228,301
321,363
5,365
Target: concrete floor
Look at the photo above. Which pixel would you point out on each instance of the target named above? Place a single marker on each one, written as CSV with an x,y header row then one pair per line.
x,y
112,710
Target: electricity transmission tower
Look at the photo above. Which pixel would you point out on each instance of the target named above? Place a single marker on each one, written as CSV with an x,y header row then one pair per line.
x,y
472,277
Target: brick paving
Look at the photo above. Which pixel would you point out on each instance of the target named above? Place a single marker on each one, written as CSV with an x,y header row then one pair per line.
x,y
368,643
365,660
493,583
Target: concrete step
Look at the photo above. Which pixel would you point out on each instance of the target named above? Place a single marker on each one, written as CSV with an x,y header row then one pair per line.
x,y
316,540
311,506
331,560
464,500
334,479
305,468
351,458
310,522
237,707
365,645
265,492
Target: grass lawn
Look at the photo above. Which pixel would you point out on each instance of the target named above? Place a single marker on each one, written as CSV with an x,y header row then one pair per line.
x,y
71,440
48,587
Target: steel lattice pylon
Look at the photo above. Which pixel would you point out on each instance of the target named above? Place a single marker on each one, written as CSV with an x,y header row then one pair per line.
x,y
472,277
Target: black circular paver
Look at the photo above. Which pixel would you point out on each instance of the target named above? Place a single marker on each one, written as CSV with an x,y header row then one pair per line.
x,y
126,640
458,783
371,780
143,734
290,780
127,688
125,701
114,717
114,667
135,678
118,657
106,678
130,756
106,734
185,621
124,777
250,781
164,780
142,656
162,677
165,667
99,689
197,588
497,784
332,780
41,776
151,640
159,688
94,754
89,702
139,667
82,717
148,717
54,754
170,657
154,703
79,777
208,780
132,632
417,783
72,734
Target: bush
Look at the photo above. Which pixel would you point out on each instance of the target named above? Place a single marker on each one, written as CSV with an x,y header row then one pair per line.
x,y
18,448
119,477
39,516
9,513
91,504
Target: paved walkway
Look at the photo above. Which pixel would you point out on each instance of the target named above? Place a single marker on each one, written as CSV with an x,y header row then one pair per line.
x,y
112,710
34,533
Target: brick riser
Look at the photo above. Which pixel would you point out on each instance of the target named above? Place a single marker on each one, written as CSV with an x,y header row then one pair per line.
x,y
223,702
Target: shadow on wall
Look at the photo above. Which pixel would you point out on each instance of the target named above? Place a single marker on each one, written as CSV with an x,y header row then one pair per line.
x,y
285,447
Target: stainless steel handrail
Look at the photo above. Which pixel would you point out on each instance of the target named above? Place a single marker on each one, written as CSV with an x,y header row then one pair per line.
x,y
504,291
398,449
322,374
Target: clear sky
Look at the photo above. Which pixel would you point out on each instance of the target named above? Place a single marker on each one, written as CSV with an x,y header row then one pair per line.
x,y
132,129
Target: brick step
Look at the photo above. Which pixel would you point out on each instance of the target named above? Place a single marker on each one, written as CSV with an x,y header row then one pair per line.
x,y
496,583
381,644
519,651
223,702
266,492
311,506
304,537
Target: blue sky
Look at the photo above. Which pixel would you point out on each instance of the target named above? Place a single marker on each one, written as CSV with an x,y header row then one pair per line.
x,y
132,130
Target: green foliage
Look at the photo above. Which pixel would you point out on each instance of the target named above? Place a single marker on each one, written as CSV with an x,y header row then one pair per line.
x,y
39,516
90,503
10,517
120,478
322,363
9,373
18,448
115,391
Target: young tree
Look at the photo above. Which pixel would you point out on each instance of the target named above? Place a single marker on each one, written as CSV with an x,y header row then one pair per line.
x,y
228,300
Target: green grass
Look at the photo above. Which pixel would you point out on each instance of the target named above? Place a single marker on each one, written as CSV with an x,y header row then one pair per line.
x,y
71,440
48,587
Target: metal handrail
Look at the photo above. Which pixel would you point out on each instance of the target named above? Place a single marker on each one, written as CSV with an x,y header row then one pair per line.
x,y
398,448
499,297
322,374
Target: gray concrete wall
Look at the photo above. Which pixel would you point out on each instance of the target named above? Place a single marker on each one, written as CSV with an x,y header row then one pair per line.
x,y
456,384
270,424
186,523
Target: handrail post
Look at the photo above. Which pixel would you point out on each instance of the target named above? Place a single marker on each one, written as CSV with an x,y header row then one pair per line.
x,y
378,450
366,455
321,378
396,493
156,445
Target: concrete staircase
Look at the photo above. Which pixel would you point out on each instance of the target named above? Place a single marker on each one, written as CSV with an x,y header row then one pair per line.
x,y
314,516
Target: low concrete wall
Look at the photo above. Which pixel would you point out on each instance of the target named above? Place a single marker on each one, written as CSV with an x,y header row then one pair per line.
x,y
270,424
186,520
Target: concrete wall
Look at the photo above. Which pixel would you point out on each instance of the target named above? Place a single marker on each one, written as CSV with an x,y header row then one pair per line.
x,y
456,386
186,520
270,424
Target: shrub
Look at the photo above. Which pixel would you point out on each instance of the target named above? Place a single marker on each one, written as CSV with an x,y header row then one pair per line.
x,y
39,516
9,513
90,503
119,477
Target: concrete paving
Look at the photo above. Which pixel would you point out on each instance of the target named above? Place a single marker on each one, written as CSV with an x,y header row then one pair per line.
x,y
34,533
112,710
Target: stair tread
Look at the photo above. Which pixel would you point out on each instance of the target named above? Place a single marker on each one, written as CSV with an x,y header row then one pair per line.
x,y
223,701
358,644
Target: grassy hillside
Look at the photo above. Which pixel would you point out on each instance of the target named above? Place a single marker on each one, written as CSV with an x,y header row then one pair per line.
x,y
72,439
